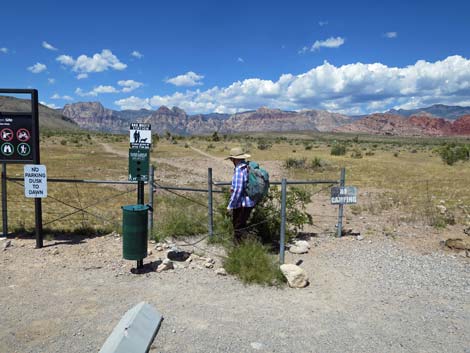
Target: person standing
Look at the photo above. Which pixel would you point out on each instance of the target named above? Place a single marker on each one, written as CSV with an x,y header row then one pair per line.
x,y
240,204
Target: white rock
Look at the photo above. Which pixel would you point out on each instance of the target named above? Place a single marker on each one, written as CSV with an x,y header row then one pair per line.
x,y
55,251
360,237
302,243
209,265
6,244
221,272
167,264
299,248
159,248
442,209
296,276
257,346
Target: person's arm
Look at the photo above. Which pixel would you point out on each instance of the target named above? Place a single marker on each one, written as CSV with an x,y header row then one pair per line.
x,y
237,189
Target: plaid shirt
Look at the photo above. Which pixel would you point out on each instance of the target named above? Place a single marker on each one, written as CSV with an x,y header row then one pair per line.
x,y
239,180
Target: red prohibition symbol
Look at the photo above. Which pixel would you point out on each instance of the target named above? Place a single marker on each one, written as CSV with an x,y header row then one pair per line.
x,y
6,134
23,135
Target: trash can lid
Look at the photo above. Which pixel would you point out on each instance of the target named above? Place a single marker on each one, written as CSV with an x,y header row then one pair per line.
x,y
132,208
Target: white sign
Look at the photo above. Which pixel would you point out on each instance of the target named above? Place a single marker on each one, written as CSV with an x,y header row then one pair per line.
x,y
343,195
35,181
140,135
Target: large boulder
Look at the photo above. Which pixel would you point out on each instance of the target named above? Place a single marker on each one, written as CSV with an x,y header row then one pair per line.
x,y
296,276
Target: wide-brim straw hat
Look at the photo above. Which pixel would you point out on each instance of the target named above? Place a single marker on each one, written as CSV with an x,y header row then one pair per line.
x,y
238,153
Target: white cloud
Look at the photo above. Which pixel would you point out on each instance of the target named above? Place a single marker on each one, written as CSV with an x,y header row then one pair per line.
x,y
390,35
188,79
354,88
96,91
137,54
129,85
82,76
50,105
97,63
51,81
327,43
133,102
322,23
57,96
4,50
331,42
48,46
240,60
37,68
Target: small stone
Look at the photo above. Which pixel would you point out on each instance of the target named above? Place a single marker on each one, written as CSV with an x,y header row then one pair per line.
x,y
209,265
294,249
6,245
442,209
149,253
257,346
221,272
55,251
159,248
152,241
360,237
167,264
296,276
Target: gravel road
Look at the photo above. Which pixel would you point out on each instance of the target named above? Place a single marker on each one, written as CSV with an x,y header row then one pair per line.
x,y
374,295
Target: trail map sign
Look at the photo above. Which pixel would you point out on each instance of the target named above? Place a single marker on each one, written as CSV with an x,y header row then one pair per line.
x,y
140,136
16,137
35,181
343,195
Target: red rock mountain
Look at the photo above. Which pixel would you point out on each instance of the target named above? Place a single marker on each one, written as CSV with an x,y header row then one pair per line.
x,y
415,125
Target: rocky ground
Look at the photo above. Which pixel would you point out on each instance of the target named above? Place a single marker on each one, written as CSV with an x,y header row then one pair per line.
x,y
377,294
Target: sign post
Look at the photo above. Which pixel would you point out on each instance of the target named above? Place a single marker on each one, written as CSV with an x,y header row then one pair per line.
x,y
140,136
342,195
19,143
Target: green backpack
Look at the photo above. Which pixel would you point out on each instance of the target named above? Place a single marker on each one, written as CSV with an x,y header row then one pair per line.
x,y
257,186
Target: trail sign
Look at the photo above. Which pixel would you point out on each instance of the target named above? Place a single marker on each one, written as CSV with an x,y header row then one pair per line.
x,y
16,132
140,135
343,195
138,164
35,181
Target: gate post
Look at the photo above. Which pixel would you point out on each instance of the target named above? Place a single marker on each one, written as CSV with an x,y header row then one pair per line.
x,y
283,221
209,203
4,200
340,209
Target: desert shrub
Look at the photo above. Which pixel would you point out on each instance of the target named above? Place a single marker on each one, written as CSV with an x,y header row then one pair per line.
x,y
356,153
338,149
308,147
264,145
370,153
186,145
63,142
452,153
210,146
265,220
252,263
291,163
395,154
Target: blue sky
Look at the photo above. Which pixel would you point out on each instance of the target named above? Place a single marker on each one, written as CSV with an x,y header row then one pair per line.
x,y
227,56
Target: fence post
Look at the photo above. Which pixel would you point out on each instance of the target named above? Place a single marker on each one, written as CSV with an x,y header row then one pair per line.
x,y
283,221
209,201
340,209
151,190
4,200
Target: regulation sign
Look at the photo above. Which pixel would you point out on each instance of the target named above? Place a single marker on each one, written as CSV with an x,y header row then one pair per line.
x,y
35,181
140,136
343,195
16,137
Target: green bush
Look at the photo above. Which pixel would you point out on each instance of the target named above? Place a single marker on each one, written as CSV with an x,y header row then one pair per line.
x,y
452,153
295,163
338,149
356,153
252,263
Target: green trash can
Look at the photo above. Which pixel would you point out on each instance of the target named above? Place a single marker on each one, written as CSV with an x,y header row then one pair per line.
x,y
134,231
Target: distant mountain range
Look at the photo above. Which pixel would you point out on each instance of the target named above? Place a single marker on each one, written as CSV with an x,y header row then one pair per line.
x,y
436,120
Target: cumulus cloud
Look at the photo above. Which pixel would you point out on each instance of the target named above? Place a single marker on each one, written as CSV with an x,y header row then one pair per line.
x,y
188,79
322,23
390,35
137,55
129,85
354,89
332,42
37,68
51,81
4,50
96,91
48,46
99,62
240,60
57,96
